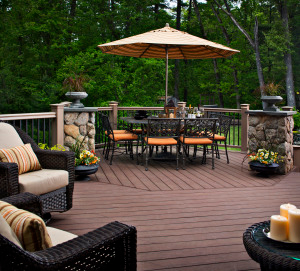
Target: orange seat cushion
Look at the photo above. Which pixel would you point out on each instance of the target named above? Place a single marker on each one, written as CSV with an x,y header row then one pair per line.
x,y
220,137
118,131
196,141
161,141
125,136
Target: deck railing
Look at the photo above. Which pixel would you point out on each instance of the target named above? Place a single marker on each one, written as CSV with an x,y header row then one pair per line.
x,y
37,125
49,127
237,138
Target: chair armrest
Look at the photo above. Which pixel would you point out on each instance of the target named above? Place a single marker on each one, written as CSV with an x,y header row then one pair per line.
x,y
64,160
111,247
26,201
9,179
56,159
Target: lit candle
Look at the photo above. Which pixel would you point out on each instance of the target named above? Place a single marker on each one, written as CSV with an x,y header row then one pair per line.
x,y
279,228
284,209
294,225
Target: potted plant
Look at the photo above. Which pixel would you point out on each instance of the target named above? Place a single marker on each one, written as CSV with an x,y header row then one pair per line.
x,y
74,84
272,96
296,131
264,161
86,162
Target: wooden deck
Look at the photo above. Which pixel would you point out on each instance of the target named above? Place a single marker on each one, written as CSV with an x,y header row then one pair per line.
x,y
186,220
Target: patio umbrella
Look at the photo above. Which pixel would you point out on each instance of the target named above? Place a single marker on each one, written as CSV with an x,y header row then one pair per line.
x,y
168,43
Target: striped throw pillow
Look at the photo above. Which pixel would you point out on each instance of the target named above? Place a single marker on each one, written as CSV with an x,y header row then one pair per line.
x,y
24,156
29,228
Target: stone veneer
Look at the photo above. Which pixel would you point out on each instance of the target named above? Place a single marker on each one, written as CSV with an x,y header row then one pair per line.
x,y
272,130
79,124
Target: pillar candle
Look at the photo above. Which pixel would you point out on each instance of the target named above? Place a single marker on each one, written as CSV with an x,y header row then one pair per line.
x,y
294,225
279,228
284,209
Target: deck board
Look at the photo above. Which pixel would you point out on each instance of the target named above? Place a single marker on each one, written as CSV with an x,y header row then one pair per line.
x,y
186,220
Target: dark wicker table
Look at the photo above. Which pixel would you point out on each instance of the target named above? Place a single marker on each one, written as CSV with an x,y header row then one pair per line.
x,y
270,254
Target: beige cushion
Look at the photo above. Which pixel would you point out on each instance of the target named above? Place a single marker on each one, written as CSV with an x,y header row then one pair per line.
x,y
43,181
8,233
59,236
29,228
9,137
23,155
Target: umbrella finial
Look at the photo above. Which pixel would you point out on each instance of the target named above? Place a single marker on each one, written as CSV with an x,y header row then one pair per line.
x,y
167,25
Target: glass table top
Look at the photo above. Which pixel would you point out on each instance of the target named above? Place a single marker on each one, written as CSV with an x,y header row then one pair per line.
x,y
291,250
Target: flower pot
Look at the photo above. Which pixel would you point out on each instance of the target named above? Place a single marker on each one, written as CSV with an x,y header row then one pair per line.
x,y
76,97
270,102
82,171
263,168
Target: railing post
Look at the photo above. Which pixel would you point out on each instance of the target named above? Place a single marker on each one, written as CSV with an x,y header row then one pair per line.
x,y
113,115
245,127
58,124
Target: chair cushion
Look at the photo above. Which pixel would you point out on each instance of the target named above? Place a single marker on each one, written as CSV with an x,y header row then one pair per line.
x,y
161,141
43,181
219,137
59,236
9,137
24,156
8,233
196,141
29,228
125,136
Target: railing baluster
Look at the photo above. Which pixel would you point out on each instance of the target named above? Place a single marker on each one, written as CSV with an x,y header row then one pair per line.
x,y
32,129
38,131
44,131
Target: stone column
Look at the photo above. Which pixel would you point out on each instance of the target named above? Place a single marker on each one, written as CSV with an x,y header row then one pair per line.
x,y
273,131
79,124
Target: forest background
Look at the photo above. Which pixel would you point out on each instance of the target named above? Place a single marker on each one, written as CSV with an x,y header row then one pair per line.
x,y
42,42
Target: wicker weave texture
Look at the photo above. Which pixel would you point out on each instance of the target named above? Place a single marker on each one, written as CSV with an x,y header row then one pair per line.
x,y
54,201
112,247
267,259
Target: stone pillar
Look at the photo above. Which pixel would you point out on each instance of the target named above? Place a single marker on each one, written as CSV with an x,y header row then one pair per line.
x,y
79,124
272,131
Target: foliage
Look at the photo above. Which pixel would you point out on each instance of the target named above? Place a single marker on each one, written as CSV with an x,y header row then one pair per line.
x,y
57,147
75,82
272,89
264,156
44,42
296,118
86,158
82,156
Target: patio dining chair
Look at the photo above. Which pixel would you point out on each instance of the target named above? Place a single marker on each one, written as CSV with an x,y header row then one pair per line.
x,y
24,167
114,137
222,133
162,132
40,247
101,115
198,132
222,130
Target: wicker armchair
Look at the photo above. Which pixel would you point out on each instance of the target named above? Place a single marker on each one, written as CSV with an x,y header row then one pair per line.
x,y
111,247
59,200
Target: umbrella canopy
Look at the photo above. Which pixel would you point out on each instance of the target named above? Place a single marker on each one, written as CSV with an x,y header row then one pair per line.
x,y
167,43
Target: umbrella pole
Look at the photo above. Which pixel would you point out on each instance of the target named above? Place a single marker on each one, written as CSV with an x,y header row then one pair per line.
x,y
167,60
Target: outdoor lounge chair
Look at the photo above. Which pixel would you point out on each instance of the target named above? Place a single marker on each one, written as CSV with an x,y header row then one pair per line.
x,y
111,247
54,183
